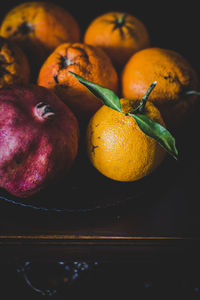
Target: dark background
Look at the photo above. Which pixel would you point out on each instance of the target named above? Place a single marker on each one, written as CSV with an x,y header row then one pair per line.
x,y
174,25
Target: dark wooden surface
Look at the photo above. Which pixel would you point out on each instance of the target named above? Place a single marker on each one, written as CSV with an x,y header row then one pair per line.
x,y
165,220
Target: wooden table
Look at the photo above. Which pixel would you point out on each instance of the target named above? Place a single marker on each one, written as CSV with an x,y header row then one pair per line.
x,y
163,222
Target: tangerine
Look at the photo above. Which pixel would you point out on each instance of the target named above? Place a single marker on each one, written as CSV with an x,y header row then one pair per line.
x,y
118,148
14,66
88,61
39,27
118,34
175,78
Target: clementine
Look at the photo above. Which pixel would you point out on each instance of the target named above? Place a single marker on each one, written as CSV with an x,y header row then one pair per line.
x,y
127,139
88,61
175,77
118,34
14,66
118,148
39,27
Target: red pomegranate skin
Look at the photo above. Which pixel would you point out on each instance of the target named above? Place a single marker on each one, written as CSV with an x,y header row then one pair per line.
x,y
38,139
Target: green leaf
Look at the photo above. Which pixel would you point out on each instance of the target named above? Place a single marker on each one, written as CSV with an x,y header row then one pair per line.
x,y
157,132
108,97
150,128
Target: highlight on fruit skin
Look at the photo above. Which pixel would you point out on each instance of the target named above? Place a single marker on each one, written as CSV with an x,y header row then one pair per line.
x,y
39,138
126,138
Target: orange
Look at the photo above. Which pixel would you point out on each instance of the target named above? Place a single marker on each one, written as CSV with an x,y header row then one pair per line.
x,y
118,34
14,66
84,60
39,27
118,148
174,75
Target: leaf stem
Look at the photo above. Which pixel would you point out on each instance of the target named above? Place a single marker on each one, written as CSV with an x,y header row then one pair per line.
x,y
120,19
141,106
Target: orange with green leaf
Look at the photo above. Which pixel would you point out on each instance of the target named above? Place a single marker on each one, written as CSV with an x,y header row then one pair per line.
x,y
126,139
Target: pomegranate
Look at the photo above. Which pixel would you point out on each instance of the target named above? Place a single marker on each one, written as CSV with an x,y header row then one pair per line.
x,y
38,139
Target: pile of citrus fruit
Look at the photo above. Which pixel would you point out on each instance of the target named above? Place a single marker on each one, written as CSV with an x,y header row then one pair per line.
x,y
127,96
